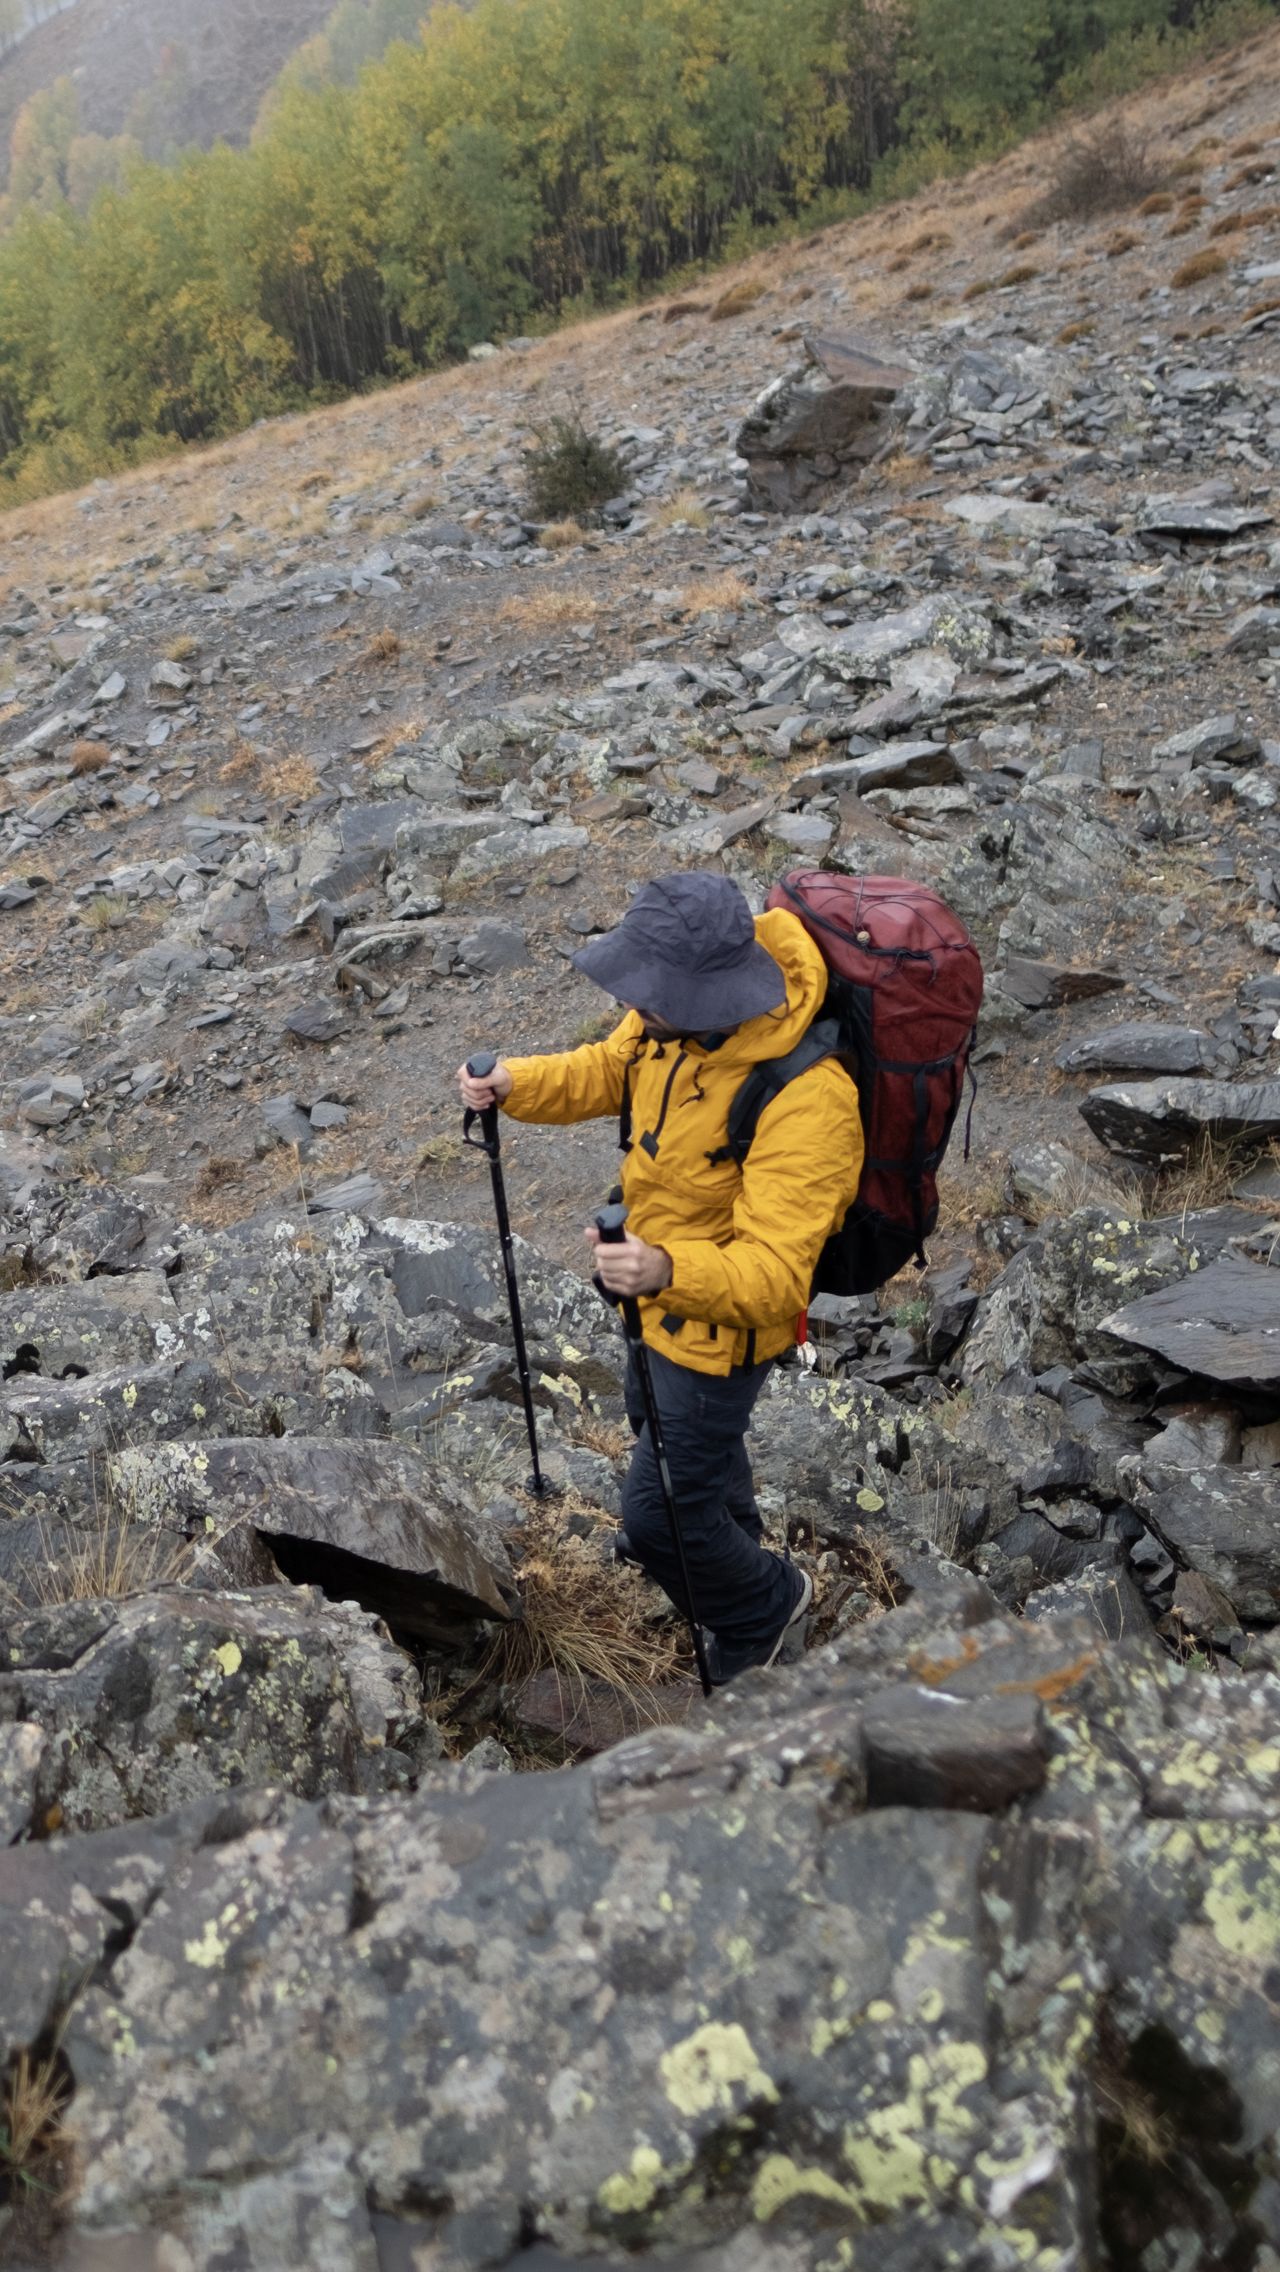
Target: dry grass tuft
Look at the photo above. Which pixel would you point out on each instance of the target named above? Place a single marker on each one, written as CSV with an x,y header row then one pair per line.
x,y
1261,308
1121,241
1160,201
918,292
384,647
182,649
980,286
738,299
1022,272
1082,328
685,507
216,1174
1227,225
88,757
561,536
1244,177
903,465
242,763
584,1619
106,1560
104,912
1203,264
674,309
35,2152
291,780
547,609
717,595
610,1438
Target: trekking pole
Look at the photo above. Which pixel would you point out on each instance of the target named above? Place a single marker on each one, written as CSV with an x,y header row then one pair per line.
x,y
480,1067
611,1224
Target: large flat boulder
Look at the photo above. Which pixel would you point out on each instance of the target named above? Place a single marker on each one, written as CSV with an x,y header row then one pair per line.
x,y
705,2002
366,1519
148,1702
1222,1321
1156,1120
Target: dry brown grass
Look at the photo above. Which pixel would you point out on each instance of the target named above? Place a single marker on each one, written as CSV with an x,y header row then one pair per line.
x,y
35,2152
183,649
292,780
1261,308
242,763
738,299
972,1193
547,609
1203,264
88,757
980,286
903,465
383,648
686,507
717,595
918,292
610,1438
1207,1177
1184,225
1080,329
1022,272
108,1558
1121,241
674,309
1160,201
561,536
585,1619
1227,225
1244,177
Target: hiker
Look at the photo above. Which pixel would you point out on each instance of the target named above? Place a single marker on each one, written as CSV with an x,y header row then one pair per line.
x,y
721,1257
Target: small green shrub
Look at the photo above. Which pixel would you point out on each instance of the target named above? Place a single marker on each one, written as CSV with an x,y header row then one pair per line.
x,y
571,472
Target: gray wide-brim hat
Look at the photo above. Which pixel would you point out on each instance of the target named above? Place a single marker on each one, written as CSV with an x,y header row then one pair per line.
x,y
686,951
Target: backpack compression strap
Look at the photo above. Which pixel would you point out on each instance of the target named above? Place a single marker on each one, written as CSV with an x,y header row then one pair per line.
x,y
767,1081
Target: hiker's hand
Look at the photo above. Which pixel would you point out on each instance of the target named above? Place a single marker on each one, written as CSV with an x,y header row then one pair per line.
x,y
631,1267
478,1096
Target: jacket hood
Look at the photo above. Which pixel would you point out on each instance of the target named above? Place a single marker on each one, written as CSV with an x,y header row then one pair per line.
x,y
805,975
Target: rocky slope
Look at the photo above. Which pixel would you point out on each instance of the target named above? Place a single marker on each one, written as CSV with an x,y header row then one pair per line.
x,y
956,1944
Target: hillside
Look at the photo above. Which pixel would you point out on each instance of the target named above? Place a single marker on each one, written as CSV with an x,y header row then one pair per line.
x,y
115,50
355,1918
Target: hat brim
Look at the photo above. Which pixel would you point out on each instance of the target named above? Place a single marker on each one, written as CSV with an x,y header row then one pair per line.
x,y
690,1000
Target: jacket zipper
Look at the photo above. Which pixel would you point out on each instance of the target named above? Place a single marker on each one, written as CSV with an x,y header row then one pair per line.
x,y
649,1140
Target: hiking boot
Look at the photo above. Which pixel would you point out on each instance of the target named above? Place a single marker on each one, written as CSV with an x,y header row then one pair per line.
x,y
724,1662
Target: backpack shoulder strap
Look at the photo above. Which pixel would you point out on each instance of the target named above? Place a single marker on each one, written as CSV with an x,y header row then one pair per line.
x,y
768,1080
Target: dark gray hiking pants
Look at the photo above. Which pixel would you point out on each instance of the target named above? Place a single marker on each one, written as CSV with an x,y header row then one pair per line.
x,y
741,1592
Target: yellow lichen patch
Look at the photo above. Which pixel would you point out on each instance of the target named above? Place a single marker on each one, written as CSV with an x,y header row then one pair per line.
x,y
229,1657
702,2073
1245,1911
208,1950
630,2190
780,2180
889,2156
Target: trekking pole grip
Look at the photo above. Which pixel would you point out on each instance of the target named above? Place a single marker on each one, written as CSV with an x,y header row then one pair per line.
x,y
611,1223
480,1067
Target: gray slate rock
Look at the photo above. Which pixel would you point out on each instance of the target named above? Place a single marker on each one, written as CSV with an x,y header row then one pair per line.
x,y
1222,1321
1159,1119
366,1520
1141,1048
1048,985
1224,1523
155,1700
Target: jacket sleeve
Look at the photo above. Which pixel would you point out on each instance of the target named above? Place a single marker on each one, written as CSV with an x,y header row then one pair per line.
x,y
800,1178
579,1084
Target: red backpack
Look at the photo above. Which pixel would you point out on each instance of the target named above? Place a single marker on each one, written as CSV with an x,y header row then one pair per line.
x,y
900,1012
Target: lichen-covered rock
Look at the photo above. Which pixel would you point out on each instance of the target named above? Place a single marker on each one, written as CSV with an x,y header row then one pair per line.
x,y
149,1702
745,1992
367,1518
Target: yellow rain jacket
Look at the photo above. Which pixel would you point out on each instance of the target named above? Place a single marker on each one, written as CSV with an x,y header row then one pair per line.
x,y
743,1241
